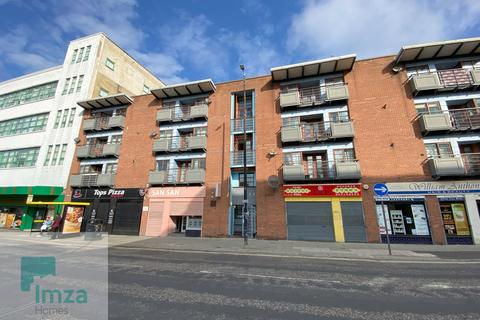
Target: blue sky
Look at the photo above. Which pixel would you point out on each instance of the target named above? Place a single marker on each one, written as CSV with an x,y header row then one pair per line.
x,y
197,39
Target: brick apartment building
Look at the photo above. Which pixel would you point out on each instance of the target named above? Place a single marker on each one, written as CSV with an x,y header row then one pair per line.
x,y
319,135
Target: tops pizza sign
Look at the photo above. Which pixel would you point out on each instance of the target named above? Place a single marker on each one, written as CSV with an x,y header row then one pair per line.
x,y
323,190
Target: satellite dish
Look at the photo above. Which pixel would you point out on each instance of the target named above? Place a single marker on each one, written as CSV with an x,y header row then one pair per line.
x,y
273,182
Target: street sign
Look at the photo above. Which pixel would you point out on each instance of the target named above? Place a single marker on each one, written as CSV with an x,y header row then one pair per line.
x,y
380,189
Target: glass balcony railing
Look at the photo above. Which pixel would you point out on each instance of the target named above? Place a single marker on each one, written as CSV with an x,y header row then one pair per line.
x,y
448,79
465,164
451,120
321,170
177,176
236,125
317,131
236,158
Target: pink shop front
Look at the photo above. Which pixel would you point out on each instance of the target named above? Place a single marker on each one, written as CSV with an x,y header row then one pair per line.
x,y
174,210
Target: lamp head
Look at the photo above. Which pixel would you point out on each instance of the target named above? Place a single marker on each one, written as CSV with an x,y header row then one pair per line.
x,y
242,67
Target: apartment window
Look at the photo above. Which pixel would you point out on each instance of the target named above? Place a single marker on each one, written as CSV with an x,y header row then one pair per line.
x,y
79,84
341,116
72,117
103,92
80,54
110,64
62,154
250,179
23,125
342,155
198,164
291,121
117,139
439,150
18,158
49,155
200,131
57,119
430,107
146,89
74,56
111,168
28,95
86,169
163,165
293,159
418,69
56,151
239,106
334,81
72,85
64,118
65,88
87,53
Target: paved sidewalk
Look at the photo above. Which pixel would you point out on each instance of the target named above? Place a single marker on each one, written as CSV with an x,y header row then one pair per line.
x,y
281,248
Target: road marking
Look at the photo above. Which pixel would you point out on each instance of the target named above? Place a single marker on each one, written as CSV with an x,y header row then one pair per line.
x,y
271,277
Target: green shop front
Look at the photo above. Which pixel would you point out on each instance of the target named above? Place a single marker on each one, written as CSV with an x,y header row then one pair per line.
x,y
17,213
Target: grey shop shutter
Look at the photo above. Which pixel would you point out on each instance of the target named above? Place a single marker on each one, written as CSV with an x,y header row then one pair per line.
x,y
310,221
353,222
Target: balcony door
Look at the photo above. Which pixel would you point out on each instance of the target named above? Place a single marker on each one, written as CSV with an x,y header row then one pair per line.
x,y
471,157
183,167
315,165
313,129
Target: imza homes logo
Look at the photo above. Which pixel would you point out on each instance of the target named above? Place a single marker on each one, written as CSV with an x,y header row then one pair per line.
x,y
49,301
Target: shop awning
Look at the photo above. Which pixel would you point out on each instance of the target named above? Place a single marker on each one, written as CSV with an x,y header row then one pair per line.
x,y
185,89
442,49
313,68
43,203
119,99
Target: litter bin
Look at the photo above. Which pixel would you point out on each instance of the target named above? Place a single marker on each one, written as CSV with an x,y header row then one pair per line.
x,y
93,230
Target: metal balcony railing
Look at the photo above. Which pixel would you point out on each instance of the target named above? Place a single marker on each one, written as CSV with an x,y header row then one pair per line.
x,y
98,150
321,170
177,176
180,143
92,180
471,163
314,95
236,158
236,125
447,79
451,120
103,122
182,113
317,131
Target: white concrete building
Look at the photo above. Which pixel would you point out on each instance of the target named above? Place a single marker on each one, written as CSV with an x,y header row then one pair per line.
x,y
40,118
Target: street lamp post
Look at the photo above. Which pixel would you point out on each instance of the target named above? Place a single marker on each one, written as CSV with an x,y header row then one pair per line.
x,y
245,195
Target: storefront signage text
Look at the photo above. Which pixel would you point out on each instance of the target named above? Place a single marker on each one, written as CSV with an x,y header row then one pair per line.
x,y
434,187
109,193
323,190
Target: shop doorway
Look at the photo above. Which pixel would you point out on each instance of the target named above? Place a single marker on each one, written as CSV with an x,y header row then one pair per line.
x,y
127,216
180,224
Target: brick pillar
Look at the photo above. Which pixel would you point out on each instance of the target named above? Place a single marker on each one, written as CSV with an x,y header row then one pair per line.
x,y
370,215
436,221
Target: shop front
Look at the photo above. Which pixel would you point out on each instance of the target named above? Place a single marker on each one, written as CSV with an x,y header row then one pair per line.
x,y
17,213
452,215
175,210
325,212
117,211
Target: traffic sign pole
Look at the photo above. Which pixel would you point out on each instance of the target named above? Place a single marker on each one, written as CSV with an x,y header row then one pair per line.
x,y
386,229
381,189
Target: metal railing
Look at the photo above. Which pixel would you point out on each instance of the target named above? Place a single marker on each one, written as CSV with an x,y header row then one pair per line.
x,y
179,113
172,176
180,143
323,169
455,77
236,158
93,150
236,125
471,163
314,94
461,119
314,131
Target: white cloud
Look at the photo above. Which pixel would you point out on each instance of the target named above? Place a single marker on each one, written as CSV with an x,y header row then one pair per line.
x,y
376,27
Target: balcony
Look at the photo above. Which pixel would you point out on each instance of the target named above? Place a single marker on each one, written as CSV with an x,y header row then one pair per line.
x,y
93,180
186,113
177,176
317,131
236,158
452,120
180,144
467,164
236,125
310,96
324,170
104,123
444,80
98,150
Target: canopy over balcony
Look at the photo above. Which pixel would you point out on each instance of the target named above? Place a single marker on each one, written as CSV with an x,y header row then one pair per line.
x,y
185,89
114,100
442,49
313,68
